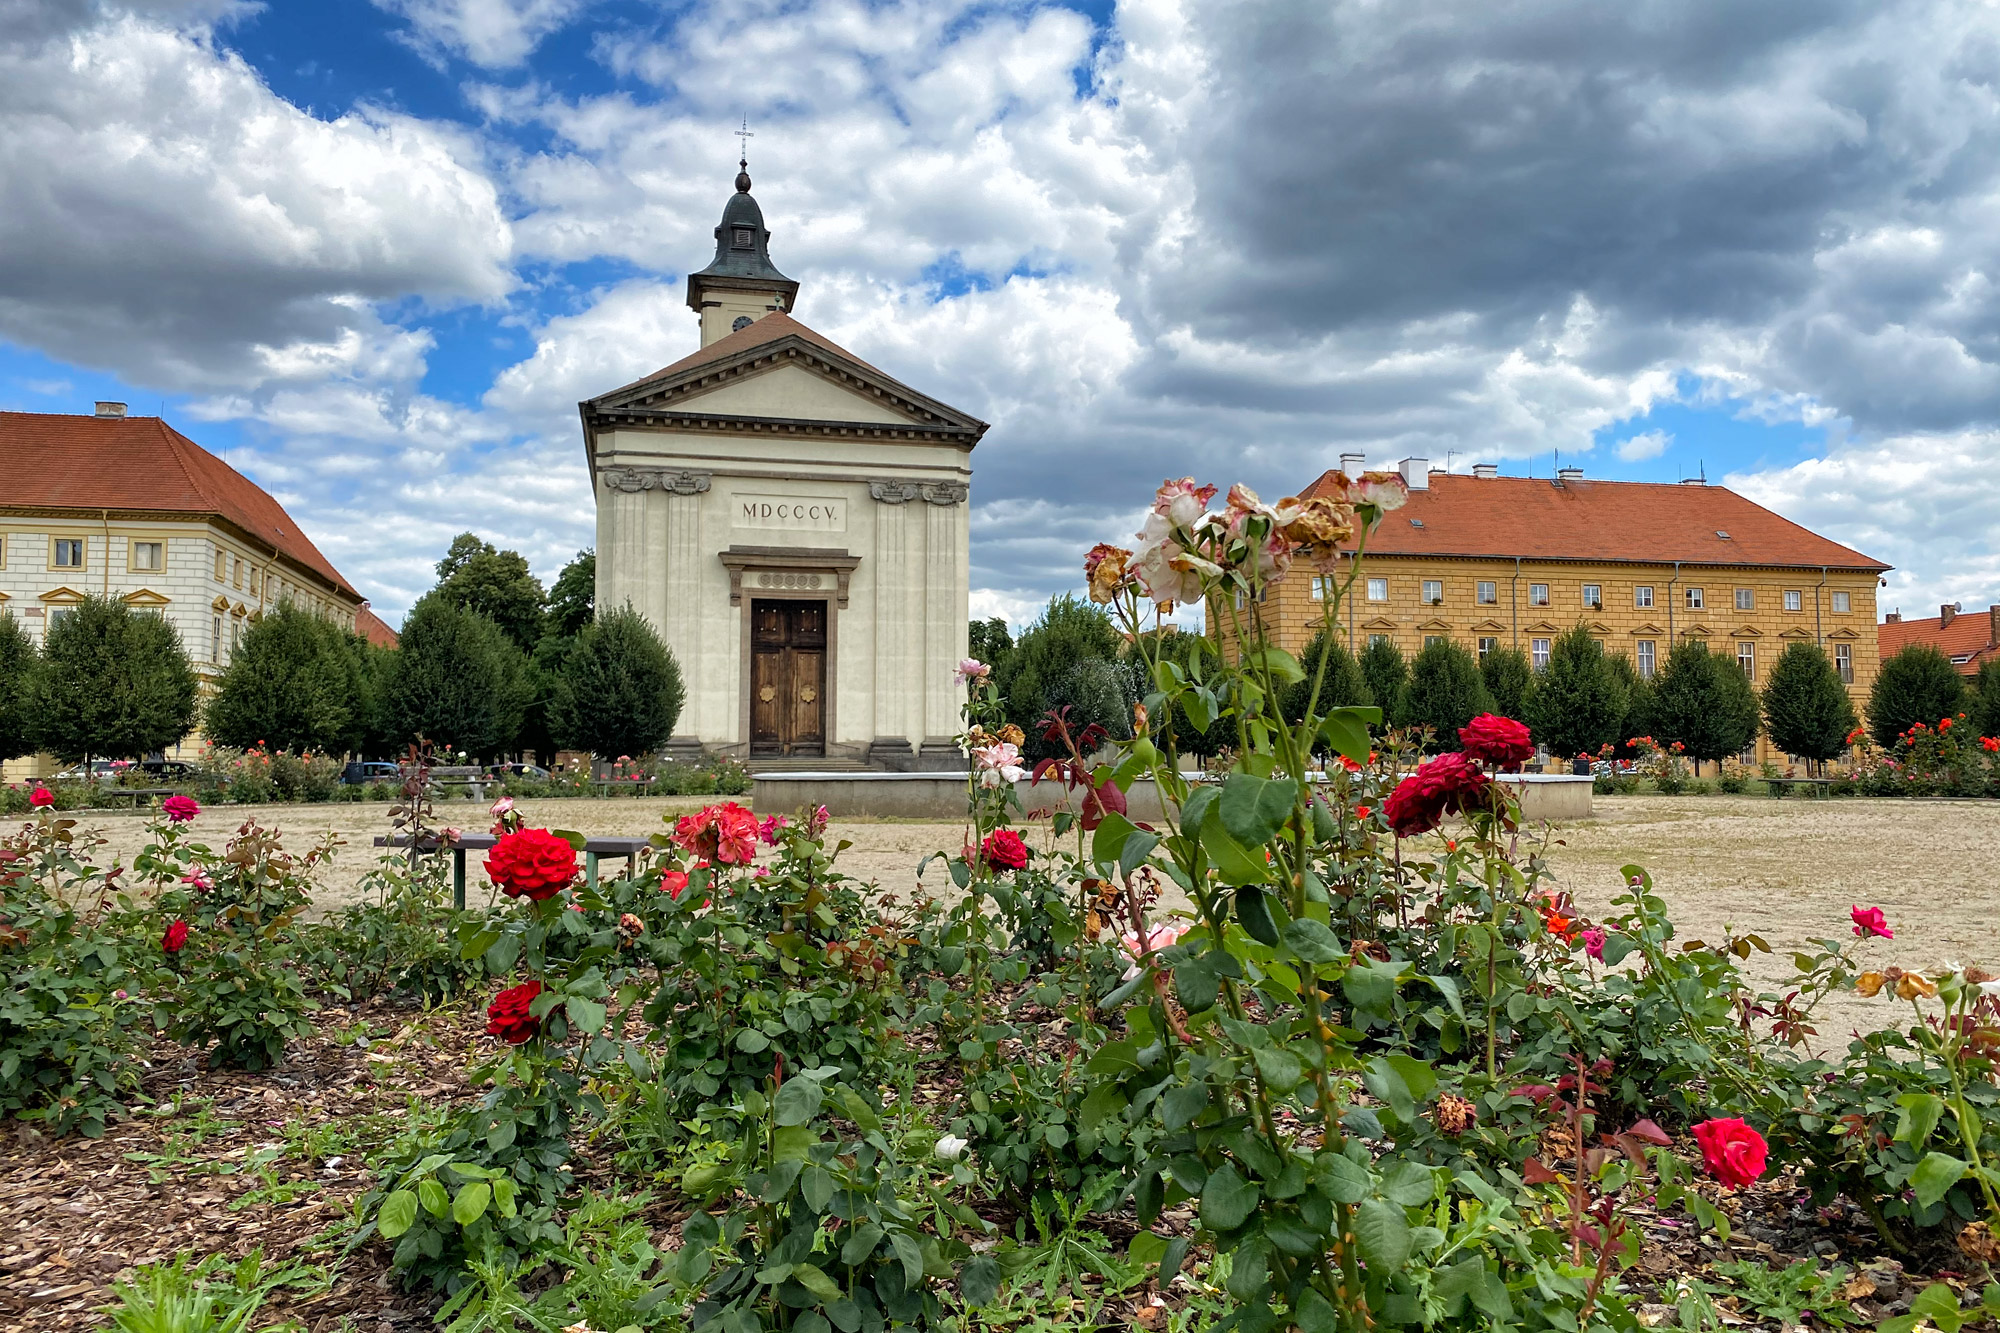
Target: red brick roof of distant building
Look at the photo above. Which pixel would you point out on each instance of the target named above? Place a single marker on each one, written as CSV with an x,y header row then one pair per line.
x,y
1970,635
65,461
375,629
1617,521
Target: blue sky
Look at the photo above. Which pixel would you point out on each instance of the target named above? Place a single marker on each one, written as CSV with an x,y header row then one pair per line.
x,y
375,250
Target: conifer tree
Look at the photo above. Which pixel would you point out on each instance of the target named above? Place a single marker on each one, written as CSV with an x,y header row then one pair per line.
x,y
457,680
1806,708
1387,676
1577,702
1342,685
620,690
1445,692
1637,720
1918,684
1507,676
1984,706
17,666
111,684
1052,666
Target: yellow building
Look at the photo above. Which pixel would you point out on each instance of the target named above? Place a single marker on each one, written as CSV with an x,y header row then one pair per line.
x,y
1493,562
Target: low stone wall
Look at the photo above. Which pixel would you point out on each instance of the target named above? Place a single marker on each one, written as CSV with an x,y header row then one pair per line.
x,y
1550,796
913,795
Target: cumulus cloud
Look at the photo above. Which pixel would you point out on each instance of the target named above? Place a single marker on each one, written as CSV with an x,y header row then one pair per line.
x,y
494,34
1644,445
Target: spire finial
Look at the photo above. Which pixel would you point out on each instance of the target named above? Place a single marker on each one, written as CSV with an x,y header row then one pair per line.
x,y
744,136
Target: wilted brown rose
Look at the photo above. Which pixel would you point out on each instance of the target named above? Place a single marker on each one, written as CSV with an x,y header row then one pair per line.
x,y
1011,735
1909,986
1316,526
1870,983
1453,1115
1977,1242
1104,567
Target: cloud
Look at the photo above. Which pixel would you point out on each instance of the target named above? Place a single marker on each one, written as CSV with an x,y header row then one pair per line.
x,y
1646,444
493,34
169,218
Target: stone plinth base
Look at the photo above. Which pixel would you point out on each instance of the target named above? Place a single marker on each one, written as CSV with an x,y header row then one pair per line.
x,y
1550,796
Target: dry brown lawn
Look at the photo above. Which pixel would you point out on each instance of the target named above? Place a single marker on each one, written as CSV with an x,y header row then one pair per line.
x,y
1788,870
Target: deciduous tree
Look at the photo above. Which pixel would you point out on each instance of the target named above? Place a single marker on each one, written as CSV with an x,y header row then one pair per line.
x,y
1445,691
1705,702
1984,706
1577,702
456,679
1388,679
112,684
1507,676
1918,684
17,666
620,691
295,682
497,585
1806,708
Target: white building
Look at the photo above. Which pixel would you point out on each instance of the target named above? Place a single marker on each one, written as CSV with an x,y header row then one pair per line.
x,y
128,507
795,523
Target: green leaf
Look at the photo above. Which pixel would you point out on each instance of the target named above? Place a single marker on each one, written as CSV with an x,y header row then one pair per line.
x,y
1109,840
1253,909
792,1142
979,1280
1939,1304
750,1041
1316,1314
1237,864
913,1258
1282,665
1384,1233
1227,1199
1346,731
399,1214
815,1280
503,1196
1199,705
861,1244
1919,1117
1342,1179
584,1015
1281,1070
1137,848
433,1197
1386,1081
1409,1184
816,1184
1254,809
1171,1261
799,1100
1935,1176
1313,942
470,1205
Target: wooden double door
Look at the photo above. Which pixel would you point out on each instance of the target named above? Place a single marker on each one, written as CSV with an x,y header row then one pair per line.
x,y
787,676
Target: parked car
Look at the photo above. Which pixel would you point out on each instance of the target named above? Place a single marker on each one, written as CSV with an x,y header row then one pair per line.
x,y
100,770
169,770
525,771
362,772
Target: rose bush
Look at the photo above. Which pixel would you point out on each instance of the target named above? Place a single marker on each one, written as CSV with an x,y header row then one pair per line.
x,y
532,863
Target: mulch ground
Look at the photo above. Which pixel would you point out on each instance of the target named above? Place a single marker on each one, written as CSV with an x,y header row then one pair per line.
x,y
228,1162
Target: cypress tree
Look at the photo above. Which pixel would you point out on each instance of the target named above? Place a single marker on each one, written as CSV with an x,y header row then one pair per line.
x,y
1445,691
1342,686
1577,702
1985,702
1918,684
1704,702
17,667
1806,708
457,680
294,683
1507,676
111,684
620,691
1198,659
1387,676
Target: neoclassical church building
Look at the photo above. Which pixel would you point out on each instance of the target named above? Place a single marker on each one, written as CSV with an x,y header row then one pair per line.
x,y
794,522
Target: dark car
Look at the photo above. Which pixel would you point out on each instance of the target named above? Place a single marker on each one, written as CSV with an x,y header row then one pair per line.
x,y
525,771
172,770
362,772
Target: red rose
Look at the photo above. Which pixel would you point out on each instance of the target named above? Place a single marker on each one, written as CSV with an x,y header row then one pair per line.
x,y
1733,1152
531,863
1004,850
1441,786
1870,921
176,937
179,809
508,1018
41,798
675,883
1497,742
726,833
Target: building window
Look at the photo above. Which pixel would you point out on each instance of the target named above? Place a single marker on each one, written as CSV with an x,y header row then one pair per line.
x,y
66,553
256,578
1842,604
221,567
1538,594
744,239
215,641
1646,659
1694,599
1378,590
1374,639
1487,647
148,557
1430,639
1843,662
1642,596
236,571
1746,657
1593,596
1489,594
1319,587
1794,599
57,614
1433,590
1538,653
1746,599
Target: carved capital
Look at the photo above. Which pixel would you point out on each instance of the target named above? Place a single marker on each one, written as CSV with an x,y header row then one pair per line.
x,y
946,492
894,492
674,481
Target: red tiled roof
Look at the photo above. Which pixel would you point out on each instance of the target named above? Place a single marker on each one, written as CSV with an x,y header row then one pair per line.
x,y
769,329
1971,635
58,461
1625,521
375,629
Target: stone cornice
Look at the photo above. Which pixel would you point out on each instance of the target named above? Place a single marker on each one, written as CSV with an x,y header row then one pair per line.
x,y
718,423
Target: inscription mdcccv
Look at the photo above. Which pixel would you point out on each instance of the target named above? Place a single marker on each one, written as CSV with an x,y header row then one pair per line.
x,y
795,512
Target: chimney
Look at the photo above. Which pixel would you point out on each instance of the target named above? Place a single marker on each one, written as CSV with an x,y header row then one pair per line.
x,y
1416,473
111,409
1485,469
1353,464
1569,474
1893,618
1993,624
1947,613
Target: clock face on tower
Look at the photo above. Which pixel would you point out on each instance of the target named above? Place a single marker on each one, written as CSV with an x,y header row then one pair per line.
x,y
742,322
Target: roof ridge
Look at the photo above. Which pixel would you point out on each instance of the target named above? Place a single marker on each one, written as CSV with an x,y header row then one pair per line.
x,y
174,439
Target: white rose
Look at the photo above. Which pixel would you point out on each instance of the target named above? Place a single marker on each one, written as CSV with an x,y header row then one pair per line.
x,y
950,1148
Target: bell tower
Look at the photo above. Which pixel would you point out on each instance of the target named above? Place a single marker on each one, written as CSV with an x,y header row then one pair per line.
x,y
740,285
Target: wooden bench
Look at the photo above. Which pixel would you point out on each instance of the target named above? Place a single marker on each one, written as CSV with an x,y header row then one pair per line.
x,y
471,778
1777,787
106,795
593,849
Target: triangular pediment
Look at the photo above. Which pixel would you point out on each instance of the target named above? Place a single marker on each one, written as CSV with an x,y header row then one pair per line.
x,y
1543,627
1795,633
146,597
1434,626
62,597
778,371
1746,632
1597,627
219,604
1379,623
1697,632
1843,634
1490,625
1648,628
